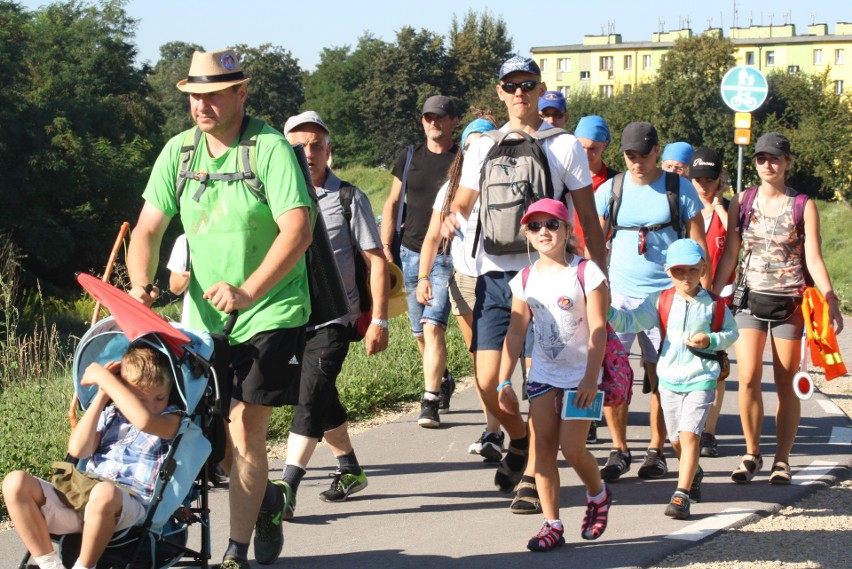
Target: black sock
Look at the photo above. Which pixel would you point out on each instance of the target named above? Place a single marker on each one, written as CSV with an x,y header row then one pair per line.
x,y
682,491
348,463
293,476
516,461
271,498
237,550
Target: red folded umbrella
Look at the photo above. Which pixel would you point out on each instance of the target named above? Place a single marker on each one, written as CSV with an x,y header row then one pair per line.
x,y
134,318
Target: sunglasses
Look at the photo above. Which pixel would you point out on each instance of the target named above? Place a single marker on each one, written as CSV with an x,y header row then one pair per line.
x,y
550,224
525,86
643,246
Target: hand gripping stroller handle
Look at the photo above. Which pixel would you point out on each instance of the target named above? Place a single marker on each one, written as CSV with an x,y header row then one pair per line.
x,y
232,321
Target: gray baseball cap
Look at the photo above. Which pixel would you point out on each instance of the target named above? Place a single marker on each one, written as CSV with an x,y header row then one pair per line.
x,y
308,117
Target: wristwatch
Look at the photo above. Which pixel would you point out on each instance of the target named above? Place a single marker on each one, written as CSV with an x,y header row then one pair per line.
x,y
380,322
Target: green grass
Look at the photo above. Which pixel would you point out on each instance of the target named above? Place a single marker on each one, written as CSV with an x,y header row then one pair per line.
x,y
374,182
835,221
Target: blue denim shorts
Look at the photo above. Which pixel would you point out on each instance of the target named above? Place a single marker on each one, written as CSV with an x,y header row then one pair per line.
x,y
492,311
438,310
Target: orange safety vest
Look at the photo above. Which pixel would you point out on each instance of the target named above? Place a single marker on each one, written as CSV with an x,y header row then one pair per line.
x,y
825,352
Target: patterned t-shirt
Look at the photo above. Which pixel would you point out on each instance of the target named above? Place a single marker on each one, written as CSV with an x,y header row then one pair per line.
x,y
774,248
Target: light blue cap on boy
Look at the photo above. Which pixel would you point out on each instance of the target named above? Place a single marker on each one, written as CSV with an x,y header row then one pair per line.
x,y
684,252
594,128
479,125
679,151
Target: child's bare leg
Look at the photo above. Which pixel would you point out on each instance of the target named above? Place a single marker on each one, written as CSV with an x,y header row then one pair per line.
x,y
573,440
24,498
688,456
102,510
544,429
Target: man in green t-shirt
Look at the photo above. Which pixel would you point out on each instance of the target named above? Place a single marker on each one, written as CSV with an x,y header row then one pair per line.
x,y
248,255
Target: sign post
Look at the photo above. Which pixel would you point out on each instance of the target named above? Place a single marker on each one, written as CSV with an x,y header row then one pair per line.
x,y
744,90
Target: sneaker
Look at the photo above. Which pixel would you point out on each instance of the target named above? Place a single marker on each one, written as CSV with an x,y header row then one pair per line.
x,y
448,387
289,502
678,508
548,538
492,446
592,437
597,513
654,465
343,485
268,533
234,563
617,464
695,489
429,418
709,448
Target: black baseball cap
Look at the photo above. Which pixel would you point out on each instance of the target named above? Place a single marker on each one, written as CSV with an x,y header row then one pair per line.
x,y
439,105
772,143
705,163
640,137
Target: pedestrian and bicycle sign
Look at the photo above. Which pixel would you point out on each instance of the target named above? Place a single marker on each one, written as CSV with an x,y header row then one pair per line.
x,y
744,89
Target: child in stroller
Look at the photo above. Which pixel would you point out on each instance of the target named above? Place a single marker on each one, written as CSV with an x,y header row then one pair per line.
x,y
126,444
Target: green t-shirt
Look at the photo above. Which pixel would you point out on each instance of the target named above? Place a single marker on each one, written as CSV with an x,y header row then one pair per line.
x,y
230,230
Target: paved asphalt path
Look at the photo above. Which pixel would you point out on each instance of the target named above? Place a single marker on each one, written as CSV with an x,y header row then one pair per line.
x,y
431,504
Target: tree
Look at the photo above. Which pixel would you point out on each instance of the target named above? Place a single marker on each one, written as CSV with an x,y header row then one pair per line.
x,y
339,80
689,106
401,77
173,65
276,89
478,46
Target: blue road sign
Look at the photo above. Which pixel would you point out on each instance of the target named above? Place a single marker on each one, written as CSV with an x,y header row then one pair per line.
x,y
744,89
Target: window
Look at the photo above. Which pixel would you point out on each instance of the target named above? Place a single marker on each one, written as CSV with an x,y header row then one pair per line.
x,y
770,58
606,90
628,62
646,62
628,90
838,87
817,57
665,57
606,63
585,75
792,69
566,91
564,64
749,60
542,63
838,57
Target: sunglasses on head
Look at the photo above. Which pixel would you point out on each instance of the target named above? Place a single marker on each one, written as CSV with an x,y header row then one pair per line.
x,y
550,224
526,86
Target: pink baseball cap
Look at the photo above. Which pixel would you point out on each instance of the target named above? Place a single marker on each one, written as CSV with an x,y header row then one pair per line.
x,y
549,206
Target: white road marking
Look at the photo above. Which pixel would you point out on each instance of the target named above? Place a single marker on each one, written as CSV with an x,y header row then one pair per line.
x,y
829,406
814,472
709,526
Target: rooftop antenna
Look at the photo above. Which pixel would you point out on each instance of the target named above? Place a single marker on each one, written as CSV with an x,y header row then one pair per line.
x,y
771,16
709,23
735,14
610,26
661,25
688,21
787,15
813,18
602,29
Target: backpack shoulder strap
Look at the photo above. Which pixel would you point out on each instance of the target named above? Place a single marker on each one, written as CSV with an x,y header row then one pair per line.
x,y
190,143
799,203
746,209
400,212
542,135
615,202
718,313
581,274
673,195
346,194
664,306
251,127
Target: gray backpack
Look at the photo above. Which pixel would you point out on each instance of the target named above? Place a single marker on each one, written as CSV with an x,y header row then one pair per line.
x,y
515,174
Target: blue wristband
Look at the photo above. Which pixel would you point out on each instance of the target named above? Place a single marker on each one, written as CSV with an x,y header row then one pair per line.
x,y
502,385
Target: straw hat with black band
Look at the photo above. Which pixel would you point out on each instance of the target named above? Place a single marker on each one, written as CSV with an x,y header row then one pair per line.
x,y
212,71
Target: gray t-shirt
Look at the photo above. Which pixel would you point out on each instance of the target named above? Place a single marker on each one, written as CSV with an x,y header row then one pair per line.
x,y
362,232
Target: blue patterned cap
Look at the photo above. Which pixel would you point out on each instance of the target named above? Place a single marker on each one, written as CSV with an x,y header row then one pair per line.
x,y
519,63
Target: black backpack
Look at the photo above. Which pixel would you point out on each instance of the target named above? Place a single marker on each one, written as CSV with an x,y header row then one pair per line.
x,y
515,174
362,274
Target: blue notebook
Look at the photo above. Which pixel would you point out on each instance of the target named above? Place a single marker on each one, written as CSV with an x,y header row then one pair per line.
x,y
592,412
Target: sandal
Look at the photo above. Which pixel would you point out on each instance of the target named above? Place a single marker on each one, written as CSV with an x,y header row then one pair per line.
x,y
781,474
750,465
526,499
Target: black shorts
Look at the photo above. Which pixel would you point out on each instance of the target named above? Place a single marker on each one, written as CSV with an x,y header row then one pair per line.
x,y
319,409
266,369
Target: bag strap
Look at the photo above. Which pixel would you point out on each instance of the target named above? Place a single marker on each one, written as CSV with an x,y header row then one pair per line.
x,y
664,306
673,196
614,203
409,154
746,209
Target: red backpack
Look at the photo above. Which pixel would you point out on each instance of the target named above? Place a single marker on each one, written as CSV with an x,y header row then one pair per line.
x,y
721,356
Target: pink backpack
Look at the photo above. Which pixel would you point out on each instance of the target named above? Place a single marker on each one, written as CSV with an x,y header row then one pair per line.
x,y
617,382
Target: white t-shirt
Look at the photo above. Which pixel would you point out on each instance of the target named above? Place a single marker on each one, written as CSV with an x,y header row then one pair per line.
x,y
558,304
461,251
179,263
569,168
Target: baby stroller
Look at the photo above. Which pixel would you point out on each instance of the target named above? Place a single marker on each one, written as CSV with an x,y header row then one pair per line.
x,y
180,497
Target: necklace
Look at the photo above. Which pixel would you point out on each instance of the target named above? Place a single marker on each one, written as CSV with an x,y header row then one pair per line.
x,y
767,237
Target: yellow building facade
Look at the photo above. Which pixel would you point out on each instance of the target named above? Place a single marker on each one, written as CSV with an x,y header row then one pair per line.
x,y
606,65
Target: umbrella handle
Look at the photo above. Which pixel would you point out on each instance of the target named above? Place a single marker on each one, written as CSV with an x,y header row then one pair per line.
x,y
110,262
232,321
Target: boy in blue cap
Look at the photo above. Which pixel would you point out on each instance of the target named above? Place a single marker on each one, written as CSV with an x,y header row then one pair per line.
x,y
553,108
687,369
676,158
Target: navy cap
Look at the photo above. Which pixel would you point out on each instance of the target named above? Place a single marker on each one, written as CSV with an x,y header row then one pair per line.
x,y
553,99
519,63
